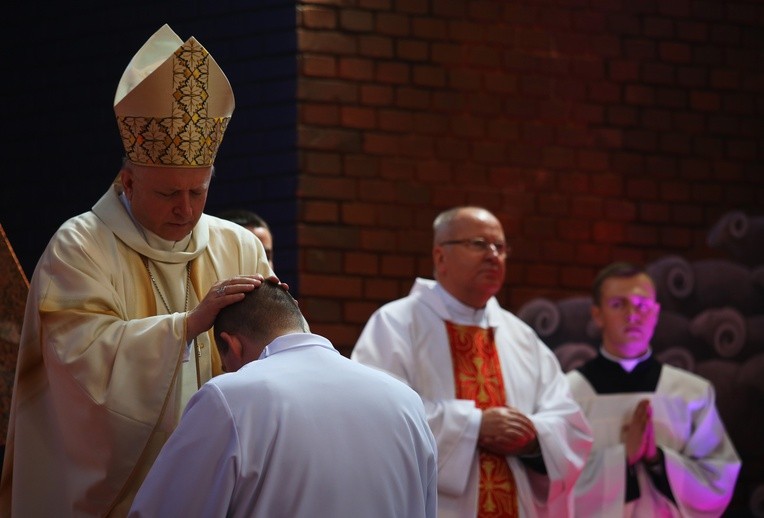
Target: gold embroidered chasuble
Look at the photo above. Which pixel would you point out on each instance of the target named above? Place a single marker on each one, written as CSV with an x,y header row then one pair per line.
x,y
477,376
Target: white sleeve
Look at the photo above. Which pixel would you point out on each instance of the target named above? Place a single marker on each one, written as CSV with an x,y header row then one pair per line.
x,y
387,343
195,473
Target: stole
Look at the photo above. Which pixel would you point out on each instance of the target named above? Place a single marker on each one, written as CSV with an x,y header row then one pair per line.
x,y
477,376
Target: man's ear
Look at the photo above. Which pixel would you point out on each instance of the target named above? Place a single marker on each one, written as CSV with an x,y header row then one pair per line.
x,y
126,179
234,345
597,316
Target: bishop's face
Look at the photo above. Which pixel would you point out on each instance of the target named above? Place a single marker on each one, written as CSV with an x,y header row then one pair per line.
x,y
167,201
627,314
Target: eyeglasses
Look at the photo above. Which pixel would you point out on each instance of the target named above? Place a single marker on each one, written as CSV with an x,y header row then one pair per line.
x,y
640,306
479,244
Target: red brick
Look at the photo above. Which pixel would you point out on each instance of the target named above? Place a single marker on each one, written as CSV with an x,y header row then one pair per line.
x,y
592,160
639,95
676,237
608,232
397,266
429,28
355,20
377,95
356,69
375,46
321,163
314,65
692,31
574,182
674,191
325,90
380,289
396,120
398,169
320,212
326,42
358,312
318,17
451,149
412,50
465,80
655,212
358,214
620,210
375,5
692,77
321,309
378,240
331,236
686,213
373,190
695,169
393,72
361,263
321,261
705,101
542,275
326,139
330,285
412,98
642,189
576,277
436,124
657,120
607,184
624,71
327,188
641,235
574,230
428,76
356,117
320,114
361,165
380,144
541,228
591,254
393,24
556,157
417,146
659,28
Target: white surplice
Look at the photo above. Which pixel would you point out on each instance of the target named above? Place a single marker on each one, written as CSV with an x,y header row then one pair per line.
x,y
700,461
100,379
301,432
408,339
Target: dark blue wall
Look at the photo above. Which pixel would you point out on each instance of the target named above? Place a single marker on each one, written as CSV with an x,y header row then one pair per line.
x,y
59,136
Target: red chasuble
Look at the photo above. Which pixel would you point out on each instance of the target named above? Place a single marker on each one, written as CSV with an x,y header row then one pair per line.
x,y
477,376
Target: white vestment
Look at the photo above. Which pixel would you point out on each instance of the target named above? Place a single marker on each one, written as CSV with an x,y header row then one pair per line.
x,y
301,432
701,463
408,339
100,379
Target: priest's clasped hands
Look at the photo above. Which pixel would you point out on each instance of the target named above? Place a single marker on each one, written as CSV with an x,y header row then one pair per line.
x,y
507,431
639,435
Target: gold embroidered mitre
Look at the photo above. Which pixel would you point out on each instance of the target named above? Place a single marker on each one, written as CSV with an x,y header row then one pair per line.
x,y
173,103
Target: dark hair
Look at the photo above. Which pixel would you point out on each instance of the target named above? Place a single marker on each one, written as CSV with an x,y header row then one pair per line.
x,y
618,269
263,314
243,217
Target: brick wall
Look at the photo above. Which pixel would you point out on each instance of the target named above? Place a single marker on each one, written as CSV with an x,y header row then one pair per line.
x,y
595,130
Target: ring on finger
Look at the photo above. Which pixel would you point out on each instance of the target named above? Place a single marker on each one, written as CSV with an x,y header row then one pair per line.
x,y
220,290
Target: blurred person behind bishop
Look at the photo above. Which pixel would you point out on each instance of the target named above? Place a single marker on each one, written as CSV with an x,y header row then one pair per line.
x,y
255,224
660,447
295,430
117,331
511,440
